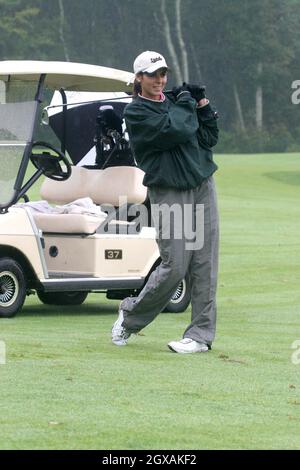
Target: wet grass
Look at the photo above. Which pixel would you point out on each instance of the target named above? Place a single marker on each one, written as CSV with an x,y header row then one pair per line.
x,y
65,386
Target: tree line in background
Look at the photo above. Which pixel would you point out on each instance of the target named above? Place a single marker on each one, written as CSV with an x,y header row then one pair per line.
x,y
246,52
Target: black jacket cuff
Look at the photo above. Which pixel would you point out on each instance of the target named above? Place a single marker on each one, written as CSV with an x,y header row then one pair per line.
x,y
205,113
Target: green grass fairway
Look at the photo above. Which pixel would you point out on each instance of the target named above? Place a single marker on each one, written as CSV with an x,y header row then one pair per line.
x,y
65,386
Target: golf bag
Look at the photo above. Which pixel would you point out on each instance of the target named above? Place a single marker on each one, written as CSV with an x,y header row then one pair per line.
x,y
112,149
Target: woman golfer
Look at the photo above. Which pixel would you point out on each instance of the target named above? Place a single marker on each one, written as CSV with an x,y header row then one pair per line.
x,y
171,136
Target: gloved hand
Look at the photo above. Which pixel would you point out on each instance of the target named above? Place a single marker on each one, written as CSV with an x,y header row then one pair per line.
x,y
197,92
176,90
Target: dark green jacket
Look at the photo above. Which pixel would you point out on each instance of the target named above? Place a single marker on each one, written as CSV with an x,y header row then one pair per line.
x,y
172,141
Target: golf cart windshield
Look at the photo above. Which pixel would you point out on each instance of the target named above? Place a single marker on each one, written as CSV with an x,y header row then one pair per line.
x,y
17,114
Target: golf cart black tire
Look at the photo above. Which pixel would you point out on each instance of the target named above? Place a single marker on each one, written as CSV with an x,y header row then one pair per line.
x,y
12,279
181,298
62,298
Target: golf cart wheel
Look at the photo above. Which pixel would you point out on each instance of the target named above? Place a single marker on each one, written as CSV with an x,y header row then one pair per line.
x,y
12,287
62,298
180,299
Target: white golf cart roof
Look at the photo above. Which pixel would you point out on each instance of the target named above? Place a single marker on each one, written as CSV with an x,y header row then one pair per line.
x,y
68,75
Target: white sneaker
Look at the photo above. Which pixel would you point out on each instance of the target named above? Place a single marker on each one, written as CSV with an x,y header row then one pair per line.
x,y
119,335
187,346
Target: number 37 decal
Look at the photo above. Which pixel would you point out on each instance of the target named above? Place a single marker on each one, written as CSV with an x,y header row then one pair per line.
x,y
113,254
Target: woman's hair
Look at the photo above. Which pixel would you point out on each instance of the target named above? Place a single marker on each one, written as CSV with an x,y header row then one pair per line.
x,y
137,87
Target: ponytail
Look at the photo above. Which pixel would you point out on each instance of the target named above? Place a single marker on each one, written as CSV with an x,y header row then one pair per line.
x,y
137,88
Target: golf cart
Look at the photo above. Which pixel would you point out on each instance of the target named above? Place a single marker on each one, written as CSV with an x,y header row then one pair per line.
x,y
91,230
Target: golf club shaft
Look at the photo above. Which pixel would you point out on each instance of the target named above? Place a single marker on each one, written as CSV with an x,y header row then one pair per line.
x,y
93,101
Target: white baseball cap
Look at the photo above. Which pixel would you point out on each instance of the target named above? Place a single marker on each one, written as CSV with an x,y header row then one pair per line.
x,y
149,61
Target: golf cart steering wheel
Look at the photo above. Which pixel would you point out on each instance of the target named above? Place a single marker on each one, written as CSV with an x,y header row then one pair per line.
x,y
49,164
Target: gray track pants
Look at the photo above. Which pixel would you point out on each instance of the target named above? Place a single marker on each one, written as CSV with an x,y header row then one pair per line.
x,y
201,265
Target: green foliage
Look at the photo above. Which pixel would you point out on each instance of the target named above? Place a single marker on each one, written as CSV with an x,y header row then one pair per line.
x,y
232,47
15,27
277,139
26,30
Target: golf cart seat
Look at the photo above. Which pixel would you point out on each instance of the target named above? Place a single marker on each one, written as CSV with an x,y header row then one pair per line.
x,y
102,186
